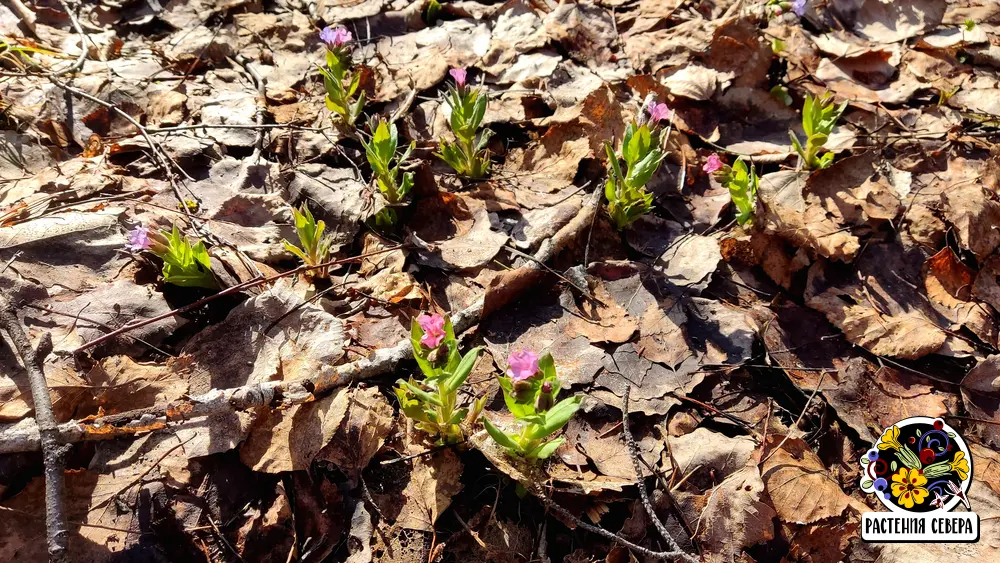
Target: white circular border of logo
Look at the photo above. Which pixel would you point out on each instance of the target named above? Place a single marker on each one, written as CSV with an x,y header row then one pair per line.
x,y
962,446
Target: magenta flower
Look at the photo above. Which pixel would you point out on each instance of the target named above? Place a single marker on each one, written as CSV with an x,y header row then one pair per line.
x,y
433,327
799,7
522,365
460,75
335,37
714,163
659,112
138,239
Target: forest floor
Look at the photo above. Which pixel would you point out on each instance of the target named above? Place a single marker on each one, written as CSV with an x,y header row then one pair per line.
x,y
760,361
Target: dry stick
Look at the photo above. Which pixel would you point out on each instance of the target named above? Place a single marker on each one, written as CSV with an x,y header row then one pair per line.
x,y
53,451
552,505
228,291
78,64
796,423
633,452
23,436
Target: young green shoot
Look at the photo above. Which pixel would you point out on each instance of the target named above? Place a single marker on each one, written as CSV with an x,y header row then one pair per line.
x,y
381,153
314,246
819,116
468,156
530,388
641,150
741,180
340,82
184,264
433,401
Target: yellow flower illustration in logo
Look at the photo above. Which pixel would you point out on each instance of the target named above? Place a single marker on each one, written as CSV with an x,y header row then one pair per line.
x,y
960,465
908,486
890,440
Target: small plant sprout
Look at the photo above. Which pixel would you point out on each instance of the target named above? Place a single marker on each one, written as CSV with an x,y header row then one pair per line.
x,y
779,7
381,152
819,115
340,83
315,247
184,264
468,156
530,387
641,150
742,182
432,403
969,24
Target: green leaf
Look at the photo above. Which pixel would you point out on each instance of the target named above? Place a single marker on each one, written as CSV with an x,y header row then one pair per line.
x,y
546,449
867,483
461,373
501,437
559,415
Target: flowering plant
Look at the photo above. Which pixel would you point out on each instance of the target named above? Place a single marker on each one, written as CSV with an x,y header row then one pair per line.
x,y
184,264
315,247
819,116
381,152
779,7
641,150
468,156
340,83
742,182
433,402
530,388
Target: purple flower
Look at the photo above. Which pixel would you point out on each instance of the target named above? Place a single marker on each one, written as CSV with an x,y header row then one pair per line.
x,y
659,112
459,74
335,37
799,7
433,327
872,455
714,163
881,484
522,365
138,239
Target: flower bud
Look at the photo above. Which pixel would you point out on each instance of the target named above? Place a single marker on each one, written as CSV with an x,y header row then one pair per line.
x,y
545,398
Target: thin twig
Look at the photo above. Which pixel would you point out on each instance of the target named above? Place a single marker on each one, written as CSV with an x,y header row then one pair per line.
x,y
53,451
78,64
633,451
797,420
552,505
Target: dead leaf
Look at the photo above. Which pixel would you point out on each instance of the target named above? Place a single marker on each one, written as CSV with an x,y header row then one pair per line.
x,y
434,480
359,437
799,485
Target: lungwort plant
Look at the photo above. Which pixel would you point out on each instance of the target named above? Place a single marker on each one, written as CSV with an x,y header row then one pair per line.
x,y
381,153
530,388
468,156
433,402
819,116
315,246
341,84
184,264
642,152
742,182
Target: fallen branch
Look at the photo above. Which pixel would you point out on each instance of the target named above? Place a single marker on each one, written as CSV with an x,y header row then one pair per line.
x,y
53,451
24,435
633,452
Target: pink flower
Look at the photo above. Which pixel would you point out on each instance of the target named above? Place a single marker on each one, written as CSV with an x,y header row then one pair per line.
x,y
522,365
459,74
777,10
335,37
659,112
433,327
138,239
714,163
